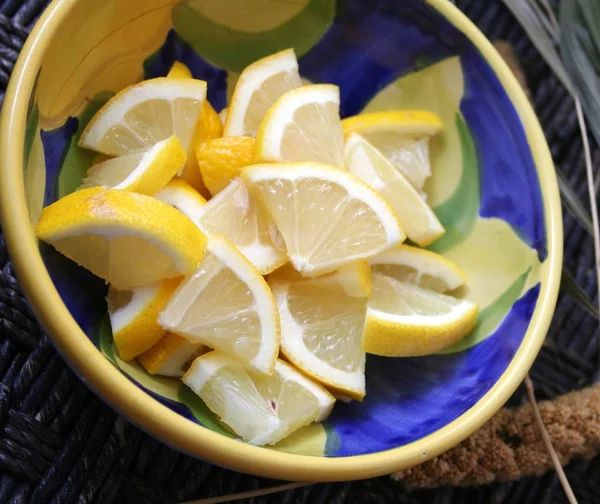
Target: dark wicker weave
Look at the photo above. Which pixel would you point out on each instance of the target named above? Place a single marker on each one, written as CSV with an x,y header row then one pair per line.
x,y
59,443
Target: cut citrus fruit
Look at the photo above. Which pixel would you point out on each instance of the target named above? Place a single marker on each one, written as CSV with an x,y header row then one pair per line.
x,y
133,316
210,125
404,320
303,125
402,136
144,172
234,214
144,114
322,332
179,71
419,267
171,356
128,239
327,216
223,115
257,88
368,163
354,279
260,409
220,160
226,305
183,197
191,175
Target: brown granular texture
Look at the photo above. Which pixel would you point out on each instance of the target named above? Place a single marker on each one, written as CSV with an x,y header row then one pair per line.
x,y
510,445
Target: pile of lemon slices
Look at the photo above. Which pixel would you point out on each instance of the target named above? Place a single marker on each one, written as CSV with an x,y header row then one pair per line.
x,y
260,258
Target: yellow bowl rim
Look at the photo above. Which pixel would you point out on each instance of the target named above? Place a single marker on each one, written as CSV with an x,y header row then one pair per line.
x,y
114,387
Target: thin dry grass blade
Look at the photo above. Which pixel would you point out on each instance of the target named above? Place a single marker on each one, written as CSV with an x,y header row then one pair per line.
x,y
248,495
573,203
570,286
551,16
546,438
593,203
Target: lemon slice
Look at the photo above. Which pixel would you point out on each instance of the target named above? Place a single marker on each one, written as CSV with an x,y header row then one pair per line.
x,y
260,409
226,305
354,279
402,136
144,114
257,88
234,214
365,161
404,320
220,160
144,172
183,197
303,125
322,332
327,216
419,267
128,239
171,356
133,316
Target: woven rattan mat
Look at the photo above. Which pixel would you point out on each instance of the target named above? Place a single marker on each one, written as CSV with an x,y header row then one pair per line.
x,y
59,443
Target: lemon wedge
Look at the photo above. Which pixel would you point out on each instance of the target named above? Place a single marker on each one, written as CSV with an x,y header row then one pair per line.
x,y
327,216
179,194
144,172
260,409
404,320
257,88
133,316
171,356
234,214
210,125
227,305
146,113
220,160
402,136
128,239
303,125
419,267
368,163
322,331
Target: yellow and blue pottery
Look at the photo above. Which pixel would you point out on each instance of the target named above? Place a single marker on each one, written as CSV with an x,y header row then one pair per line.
x,y
494,189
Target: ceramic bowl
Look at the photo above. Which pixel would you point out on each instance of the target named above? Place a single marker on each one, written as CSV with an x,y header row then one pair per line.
x,y
493,188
